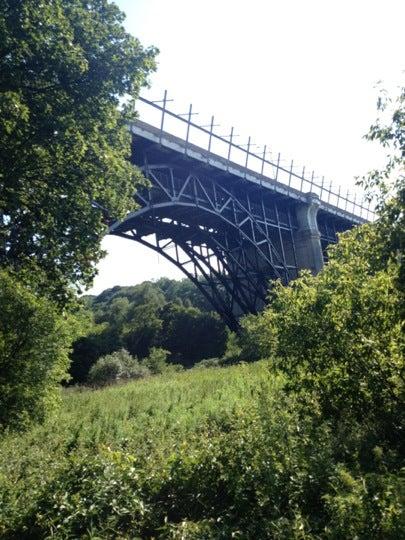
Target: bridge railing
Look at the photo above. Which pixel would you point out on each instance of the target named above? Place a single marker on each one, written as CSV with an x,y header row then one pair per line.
x,y
160,116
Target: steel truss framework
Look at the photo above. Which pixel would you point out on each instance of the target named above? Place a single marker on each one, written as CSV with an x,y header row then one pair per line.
x,y
231,242
231,230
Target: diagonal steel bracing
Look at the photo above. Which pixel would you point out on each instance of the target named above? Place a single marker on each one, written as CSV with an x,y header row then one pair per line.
x,y
229,240
231,229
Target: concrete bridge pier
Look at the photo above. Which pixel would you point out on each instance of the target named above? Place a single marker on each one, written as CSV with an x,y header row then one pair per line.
x,y
307,237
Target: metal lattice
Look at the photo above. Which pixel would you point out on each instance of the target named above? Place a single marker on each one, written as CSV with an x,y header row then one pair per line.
x,y
229,244
230,229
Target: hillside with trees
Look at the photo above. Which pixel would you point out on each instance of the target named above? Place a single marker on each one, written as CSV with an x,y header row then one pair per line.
x,y
168,314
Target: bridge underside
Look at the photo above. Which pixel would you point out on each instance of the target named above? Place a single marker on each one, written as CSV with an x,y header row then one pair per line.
x,y
232,238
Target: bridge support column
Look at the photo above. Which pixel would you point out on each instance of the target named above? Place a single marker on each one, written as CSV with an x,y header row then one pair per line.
x,y
308,238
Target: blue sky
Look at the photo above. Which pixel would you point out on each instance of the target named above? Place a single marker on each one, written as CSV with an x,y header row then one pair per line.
x,y
297,75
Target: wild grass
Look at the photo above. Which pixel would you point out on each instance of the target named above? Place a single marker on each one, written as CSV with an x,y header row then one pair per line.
x,y
150,418
212,453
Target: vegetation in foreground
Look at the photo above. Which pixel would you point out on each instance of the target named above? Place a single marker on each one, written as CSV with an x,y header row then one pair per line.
x,y
209,453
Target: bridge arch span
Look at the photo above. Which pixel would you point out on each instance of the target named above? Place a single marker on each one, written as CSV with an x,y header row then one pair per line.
x,y
211,234
230,231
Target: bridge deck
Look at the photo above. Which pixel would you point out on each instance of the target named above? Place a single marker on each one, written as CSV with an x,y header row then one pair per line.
x,y
233,222
180,147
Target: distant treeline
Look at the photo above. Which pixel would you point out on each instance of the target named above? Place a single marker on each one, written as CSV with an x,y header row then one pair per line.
x,y
173,315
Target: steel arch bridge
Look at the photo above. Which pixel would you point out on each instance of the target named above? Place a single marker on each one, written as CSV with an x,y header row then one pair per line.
x,y
231,228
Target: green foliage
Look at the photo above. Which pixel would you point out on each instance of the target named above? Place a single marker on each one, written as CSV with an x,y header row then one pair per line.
x,y
213,453
106,370
208,363
254,340
119,365
151,314
183,292
149,419
142,329
369,506
191,335
387,185
338,335
98,341
64,68
156,362
34,345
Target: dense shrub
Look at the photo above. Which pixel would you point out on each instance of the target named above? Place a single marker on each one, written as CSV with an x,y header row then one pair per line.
x,y
34,345
254,341
262,470
106,370
365,506
156,362
338,335
208,363
119,365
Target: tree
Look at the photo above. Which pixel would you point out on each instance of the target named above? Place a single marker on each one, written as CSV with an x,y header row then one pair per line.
x,y
156,362
65,67
34,353
183,291
191,335
338,335
141,332
100,339
387,185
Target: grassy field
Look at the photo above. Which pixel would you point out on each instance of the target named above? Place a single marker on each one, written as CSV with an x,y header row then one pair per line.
x,y
155,413
153,420
204,454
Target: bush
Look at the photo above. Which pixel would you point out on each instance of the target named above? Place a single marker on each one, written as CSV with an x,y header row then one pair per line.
x,y
156,362
262,471
34,347
254,341
131,367
106,370
208,363
337,337
119,365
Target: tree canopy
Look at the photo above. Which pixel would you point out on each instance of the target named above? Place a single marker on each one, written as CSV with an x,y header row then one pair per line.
x,y
169,314
387,185
65,68
34,353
